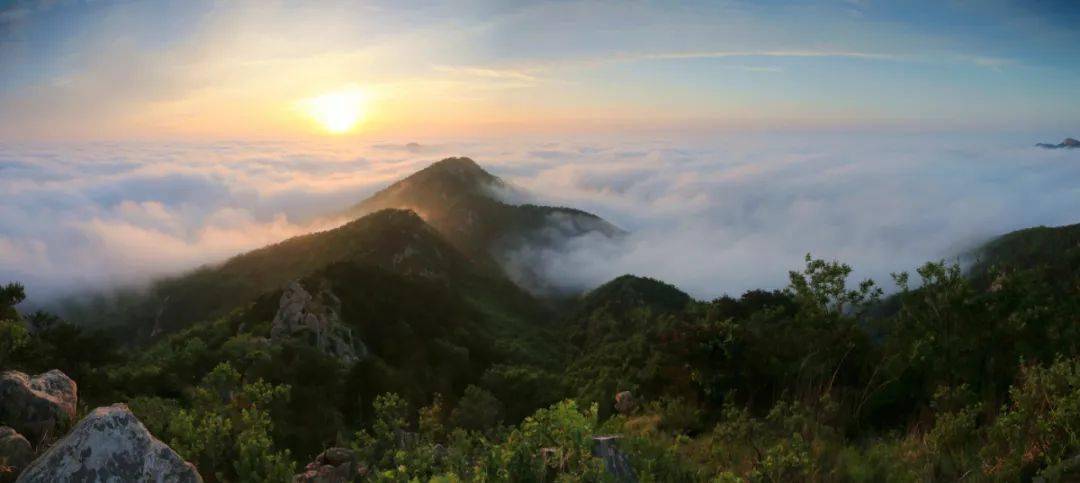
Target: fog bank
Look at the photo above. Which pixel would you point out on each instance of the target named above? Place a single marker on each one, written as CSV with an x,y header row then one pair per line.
x,y
717,215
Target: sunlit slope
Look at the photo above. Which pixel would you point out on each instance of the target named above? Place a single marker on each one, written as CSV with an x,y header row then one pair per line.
x,y
463,202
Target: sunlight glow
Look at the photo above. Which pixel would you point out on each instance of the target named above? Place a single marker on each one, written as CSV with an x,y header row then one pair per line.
x,y
337,112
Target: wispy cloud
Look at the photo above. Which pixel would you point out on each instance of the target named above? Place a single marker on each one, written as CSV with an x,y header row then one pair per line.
x,y
723,54
521,75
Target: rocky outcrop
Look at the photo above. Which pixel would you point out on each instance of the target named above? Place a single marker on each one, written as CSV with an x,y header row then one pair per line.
x,y
315,319
1068,143
625,403
110,444
616,462
335,465
15,453
39,407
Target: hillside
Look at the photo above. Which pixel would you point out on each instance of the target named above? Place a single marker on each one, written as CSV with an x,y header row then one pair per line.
x,y
394,240
1055,250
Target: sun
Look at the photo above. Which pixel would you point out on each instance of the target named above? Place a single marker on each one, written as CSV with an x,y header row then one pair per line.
x,y
337,112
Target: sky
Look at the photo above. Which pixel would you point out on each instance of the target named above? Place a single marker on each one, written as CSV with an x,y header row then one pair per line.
x,y
205,70
139,139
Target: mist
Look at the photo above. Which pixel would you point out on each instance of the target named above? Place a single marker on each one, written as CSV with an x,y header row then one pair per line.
x,y
712,215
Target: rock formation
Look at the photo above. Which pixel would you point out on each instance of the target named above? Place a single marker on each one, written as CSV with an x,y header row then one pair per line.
x,y
15,453
616,462
625,403
315,319
335,465
38,407
1068,143
110,444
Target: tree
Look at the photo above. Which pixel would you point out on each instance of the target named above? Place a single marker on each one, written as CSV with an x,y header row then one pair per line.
x,y
10,296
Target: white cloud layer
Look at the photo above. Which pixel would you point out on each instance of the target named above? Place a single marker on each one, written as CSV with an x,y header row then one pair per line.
x,y
713,216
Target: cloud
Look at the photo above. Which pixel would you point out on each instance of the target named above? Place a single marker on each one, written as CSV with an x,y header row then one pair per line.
x,y
90,216
734,213
712,215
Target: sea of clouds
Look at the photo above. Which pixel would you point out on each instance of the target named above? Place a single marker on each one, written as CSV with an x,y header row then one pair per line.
x,y
711,214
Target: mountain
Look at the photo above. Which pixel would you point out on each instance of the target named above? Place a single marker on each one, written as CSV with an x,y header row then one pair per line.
x,y
630,292
397,241
461,200
1053,252
1068,143
443,223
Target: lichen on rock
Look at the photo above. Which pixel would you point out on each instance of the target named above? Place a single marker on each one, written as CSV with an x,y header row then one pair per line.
x,y
110,444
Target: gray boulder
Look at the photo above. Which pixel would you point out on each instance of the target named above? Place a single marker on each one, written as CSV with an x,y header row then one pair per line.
x,y
39,407
315,318
15,453
110,445
616,462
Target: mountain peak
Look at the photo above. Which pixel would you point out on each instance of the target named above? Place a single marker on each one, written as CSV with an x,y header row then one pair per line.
x,y
457,162
462,168
629,291
464,203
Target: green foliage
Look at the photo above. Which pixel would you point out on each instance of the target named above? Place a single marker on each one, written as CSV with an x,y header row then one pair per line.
x,y
227,431
677,415
14,339
1040,428
10,296
821,289
554,442
477,410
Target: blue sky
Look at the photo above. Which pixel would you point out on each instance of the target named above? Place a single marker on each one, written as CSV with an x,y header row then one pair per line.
x,y
163,70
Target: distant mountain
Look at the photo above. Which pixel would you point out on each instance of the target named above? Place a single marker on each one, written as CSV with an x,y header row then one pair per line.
x,y
461,200
630,292
1068,143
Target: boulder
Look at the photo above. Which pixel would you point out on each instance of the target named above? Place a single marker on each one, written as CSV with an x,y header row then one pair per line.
x,y
15,453
315,318
335,465
625,403
616,463
110,444
40,406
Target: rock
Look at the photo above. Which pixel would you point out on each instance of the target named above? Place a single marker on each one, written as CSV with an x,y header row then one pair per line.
x,y
15,453
1068,143
625,403
616,462
110,444
335,465
38,407
315,319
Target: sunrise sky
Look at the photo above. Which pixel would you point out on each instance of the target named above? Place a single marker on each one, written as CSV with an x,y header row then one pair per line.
x,y
74,70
